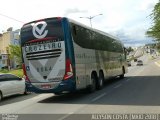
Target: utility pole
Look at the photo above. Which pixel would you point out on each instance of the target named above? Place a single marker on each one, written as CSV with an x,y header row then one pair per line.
x,y
91,17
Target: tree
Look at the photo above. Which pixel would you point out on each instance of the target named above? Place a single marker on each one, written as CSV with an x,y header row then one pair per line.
x,y
154,30
129,49
15,52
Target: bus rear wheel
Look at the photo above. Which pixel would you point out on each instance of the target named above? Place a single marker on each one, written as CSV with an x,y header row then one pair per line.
x,y
122,75
1,96
100,82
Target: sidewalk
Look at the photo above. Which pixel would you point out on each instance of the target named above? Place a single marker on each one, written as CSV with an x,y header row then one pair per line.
x,y
152,57
158,62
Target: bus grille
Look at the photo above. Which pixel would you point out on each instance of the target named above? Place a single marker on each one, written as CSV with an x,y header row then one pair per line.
x,y
44,54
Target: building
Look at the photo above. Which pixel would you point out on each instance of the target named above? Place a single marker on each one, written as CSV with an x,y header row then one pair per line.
x,y
8,38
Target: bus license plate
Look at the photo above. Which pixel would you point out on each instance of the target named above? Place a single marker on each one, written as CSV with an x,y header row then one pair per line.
x,y
46,86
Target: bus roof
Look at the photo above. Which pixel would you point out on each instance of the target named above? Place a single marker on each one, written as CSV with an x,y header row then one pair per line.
x,y
96,30
80,24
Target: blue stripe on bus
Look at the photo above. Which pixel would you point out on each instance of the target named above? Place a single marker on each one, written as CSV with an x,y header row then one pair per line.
x,y
69,46
68,40
68,32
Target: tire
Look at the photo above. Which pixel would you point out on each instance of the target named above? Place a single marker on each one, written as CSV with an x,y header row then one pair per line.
x,y
122,76
1,96
100,82
92,87
26,92
57,93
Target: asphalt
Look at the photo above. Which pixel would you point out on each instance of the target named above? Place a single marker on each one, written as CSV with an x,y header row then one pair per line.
x,y
138,92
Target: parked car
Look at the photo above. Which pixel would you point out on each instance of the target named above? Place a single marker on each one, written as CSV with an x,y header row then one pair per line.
x,y
129,62
139,62
11,84
135,60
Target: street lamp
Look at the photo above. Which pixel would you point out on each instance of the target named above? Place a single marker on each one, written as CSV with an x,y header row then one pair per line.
x,y
90,18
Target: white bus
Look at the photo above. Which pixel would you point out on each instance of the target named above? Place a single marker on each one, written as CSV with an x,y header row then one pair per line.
x,y
61,55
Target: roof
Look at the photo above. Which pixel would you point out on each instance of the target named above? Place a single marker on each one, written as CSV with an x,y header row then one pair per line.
x,y
78,23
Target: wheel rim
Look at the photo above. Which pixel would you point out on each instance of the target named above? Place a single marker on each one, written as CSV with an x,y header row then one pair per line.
x,y
93,84
0,96
101,82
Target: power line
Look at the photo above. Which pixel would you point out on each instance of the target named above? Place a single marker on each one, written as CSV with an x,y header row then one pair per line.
x,y
11,18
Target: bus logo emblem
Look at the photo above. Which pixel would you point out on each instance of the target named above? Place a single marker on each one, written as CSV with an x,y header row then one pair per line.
x,y
40,32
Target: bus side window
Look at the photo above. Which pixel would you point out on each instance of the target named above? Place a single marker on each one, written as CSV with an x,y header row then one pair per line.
x,y
74,30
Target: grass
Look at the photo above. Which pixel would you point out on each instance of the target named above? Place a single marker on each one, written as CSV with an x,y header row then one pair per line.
x,y
18,72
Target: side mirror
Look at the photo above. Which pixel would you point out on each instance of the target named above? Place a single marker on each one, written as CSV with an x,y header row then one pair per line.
x,y
20,79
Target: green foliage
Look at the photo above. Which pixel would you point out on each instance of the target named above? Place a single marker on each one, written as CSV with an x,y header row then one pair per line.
x,y
158,46
129,49
154,30
18,72
4,71
15,52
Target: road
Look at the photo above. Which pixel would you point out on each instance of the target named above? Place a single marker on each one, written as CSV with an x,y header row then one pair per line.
x,y
138,92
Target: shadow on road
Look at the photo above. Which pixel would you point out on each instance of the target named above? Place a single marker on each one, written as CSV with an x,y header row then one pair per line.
x,y
16,98
134,90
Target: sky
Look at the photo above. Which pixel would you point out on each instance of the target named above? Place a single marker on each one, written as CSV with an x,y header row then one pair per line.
x,y
126,19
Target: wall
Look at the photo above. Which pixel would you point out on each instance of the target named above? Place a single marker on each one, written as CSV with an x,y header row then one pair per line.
x,y
6,39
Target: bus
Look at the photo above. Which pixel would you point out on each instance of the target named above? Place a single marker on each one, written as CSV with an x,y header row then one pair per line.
x,y
61,55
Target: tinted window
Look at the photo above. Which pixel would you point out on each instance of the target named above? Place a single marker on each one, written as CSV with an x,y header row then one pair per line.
x,y
12,77
2,78
94,40
54,28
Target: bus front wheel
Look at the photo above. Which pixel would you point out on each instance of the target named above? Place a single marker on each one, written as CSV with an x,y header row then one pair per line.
x,y
92,87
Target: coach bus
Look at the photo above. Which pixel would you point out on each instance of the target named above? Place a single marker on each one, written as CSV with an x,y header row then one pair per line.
x,y
61,55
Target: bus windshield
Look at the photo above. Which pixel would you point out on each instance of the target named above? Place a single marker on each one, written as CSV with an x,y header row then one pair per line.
x,y
53,28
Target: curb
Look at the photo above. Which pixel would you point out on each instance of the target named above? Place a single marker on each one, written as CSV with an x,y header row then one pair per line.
x,y
158,63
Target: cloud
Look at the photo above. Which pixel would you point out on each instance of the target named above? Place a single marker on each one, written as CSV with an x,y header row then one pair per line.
x,y
132,37
147,5
127,19
74,10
